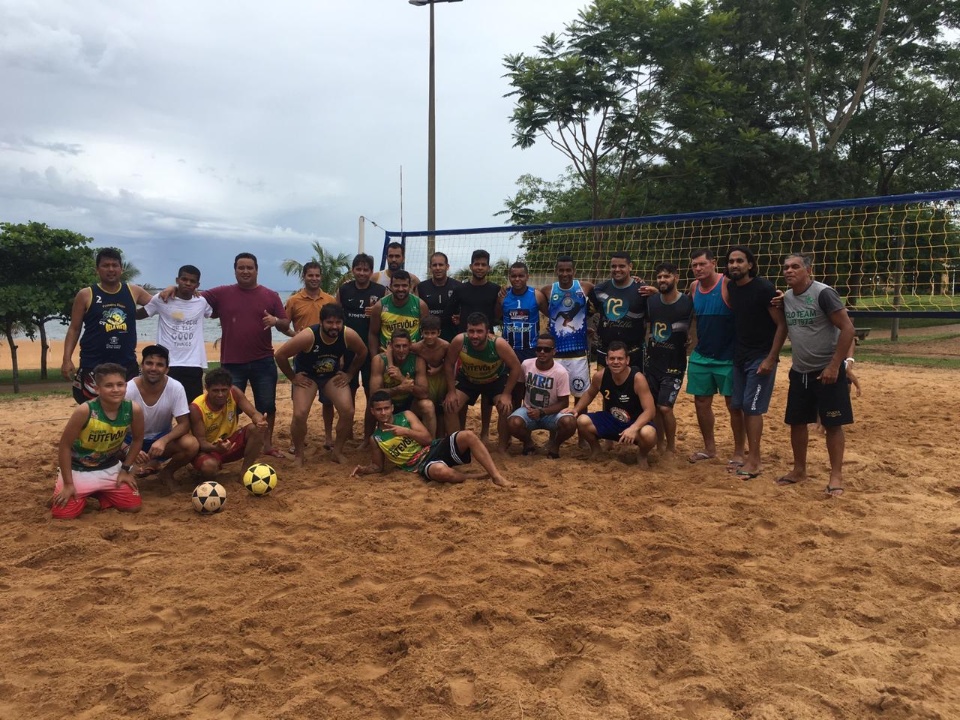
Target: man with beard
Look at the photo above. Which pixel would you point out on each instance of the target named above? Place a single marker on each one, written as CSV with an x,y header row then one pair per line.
x,y
565,305
760,332
710,368
437,292
488,368
318,351
404,376
622,309
820,333
358,298
670,313
479,295
303,310
167,446
107,315
398,310
628,408
396,257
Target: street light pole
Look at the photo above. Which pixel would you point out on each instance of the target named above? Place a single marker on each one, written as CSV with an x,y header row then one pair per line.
x,y
431,136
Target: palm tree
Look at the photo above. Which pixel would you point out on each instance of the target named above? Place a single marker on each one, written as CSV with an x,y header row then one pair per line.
x,y
333,267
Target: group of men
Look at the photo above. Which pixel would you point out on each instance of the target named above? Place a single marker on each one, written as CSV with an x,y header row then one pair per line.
x,y
428,349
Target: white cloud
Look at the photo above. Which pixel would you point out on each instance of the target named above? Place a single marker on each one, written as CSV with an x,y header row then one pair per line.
x,y
265,123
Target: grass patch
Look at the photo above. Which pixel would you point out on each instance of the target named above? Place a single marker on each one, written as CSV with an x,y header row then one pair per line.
x,y
36,395
911,360
907,340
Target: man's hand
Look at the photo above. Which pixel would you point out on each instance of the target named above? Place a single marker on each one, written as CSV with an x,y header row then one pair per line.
x,y
302,380
829,375
535,413
125,478
451,403
629,436
63,497
504,404
341,379
167,293
394,372
767,366
156,450
364,470
269,320
777,300
68,370
398,430
260,420
646,290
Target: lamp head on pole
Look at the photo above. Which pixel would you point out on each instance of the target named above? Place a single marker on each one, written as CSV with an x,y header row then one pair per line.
x,y
421,3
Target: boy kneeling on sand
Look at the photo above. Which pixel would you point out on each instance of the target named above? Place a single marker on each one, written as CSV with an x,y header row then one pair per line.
x,y
92,447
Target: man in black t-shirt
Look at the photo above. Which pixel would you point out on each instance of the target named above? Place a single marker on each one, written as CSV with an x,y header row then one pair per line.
x,y
622,310
670,313
437,292
357,299
760,331
477,295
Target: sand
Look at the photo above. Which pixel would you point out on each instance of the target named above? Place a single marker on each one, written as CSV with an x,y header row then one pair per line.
x,y
591,590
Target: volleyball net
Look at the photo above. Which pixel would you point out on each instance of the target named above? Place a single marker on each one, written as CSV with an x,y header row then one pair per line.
x,y
895,256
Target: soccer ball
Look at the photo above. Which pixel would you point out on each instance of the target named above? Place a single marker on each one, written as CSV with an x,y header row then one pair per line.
x,y
260,479
209,497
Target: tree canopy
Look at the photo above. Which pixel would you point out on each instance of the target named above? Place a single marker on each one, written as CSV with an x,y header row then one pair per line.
x,y
674,107
41,269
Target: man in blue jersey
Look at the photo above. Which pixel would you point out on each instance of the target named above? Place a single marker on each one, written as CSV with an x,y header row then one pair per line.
x,y
565,305
107,314
710,368
519,311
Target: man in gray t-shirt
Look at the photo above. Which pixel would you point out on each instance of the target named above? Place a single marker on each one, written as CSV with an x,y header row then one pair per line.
x,y
820,332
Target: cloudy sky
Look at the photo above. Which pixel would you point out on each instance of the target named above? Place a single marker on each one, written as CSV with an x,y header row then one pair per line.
x,y
189,131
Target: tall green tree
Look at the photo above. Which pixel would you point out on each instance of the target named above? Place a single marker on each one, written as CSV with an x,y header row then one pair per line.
x,y
333,267
41,269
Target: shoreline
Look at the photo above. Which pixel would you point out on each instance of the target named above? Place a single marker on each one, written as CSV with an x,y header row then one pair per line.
x,y
28,355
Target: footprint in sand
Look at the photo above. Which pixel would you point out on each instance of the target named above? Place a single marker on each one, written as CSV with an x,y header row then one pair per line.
x,y
109,572
430,602
462,690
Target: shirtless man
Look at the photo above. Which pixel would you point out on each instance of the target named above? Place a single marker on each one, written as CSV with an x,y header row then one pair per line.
x,y
433,349
403,376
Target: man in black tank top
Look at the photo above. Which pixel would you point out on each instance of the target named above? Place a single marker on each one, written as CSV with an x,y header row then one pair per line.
x,y
319,351
107,314
628,407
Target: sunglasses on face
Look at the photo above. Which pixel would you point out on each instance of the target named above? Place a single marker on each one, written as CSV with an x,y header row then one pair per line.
x,y
541,349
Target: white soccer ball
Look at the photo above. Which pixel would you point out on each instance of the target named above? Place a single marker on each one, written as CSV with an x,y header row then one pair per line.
x,y
209,497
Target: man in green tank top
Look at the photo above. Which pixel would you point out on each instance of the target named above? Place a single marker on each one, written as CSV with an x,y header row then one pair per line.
x,y
403,441
403,376
480,365
397,311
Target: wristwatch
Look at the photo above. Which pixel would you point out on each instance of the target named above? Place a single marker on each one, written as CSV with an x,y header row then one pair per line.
x,y
126,468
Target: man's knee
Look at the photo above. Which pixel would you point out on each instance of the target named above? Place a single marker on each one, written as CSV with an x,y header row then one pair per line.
x,y
567,423
705,401
516,424
585,423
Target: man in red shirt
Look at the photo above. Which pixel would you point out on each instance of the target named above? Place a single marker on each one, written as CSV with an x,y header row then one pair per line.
x,y
247,312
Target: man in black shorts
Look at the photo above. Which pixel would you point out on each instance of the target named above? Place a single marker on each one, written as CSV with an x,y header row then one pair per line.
x,y
670,313
403,440
481,365
357,299
319,351
628,408
820,332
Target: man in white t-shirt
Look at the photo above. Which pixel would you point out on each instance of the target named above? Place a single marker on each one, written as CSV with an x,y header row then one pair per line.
x,y
180,329
166,446
545,401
